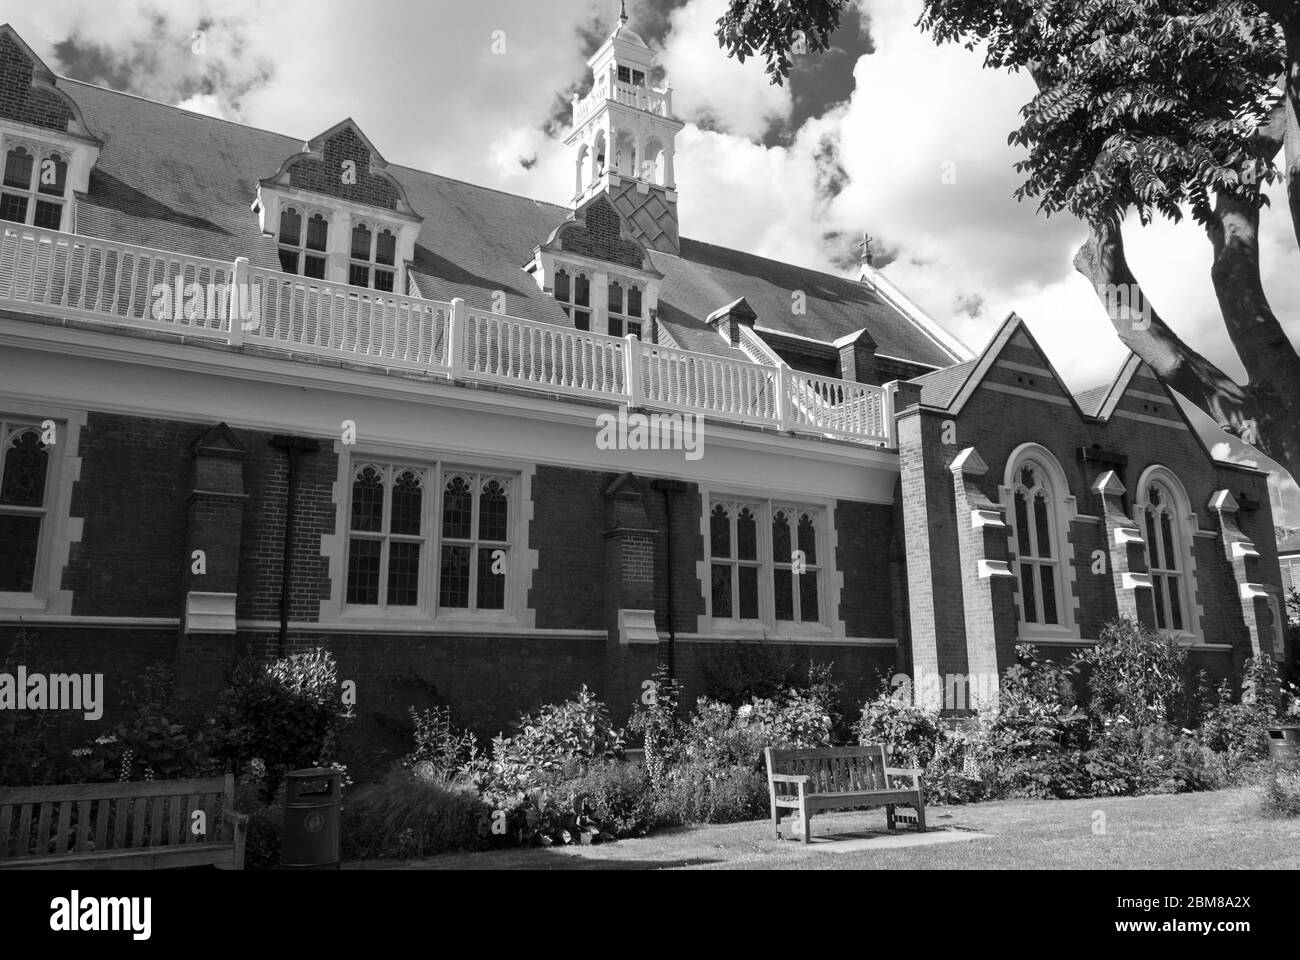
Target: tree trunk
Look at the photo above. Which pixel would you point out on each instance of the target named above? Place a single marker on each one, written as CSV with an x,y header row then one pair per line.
x,y
1102,261
1287,14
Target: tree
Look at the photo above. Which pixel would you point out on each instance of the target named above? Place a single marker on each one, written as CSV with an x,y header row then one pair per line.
x,y
1143,106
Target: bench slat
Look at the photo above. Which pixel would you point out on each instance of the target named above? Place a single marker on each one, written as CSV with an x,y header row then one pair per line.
x,y
100,791
156,821
121,810
65,824
148,858
25,829
174,805
137,832
6,823
102,810
83,825
42,842
210,814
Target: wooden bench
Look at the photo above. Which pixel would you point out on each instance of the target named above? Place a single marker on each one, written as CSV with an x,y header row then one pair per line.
x,y
838,778
122,826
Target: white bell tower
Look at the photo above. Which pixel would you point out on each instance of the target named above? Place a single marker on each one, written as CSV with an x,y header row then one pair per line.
x,y
623,137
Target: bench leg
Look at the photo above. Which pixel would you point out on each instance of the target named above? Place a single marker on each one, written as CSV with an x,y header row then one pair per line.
x,y
805,819
776,821
889,816
919,806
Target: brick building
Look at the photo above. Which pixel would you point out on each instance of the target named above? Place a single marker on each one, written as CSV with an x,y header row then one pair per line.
x,y
257,394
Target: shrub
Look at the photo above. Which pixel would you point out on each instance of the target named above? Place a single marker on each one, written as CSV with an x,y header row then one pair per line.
x,y
441,750
910,732
265,825
1280,793
612,797
659,726
560,734
288,713
404,817
150,744
27,757
706,793
1135,674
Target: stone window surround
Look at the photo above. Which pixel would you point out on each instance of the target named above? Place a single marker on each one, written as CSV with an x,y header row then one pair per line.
x,y
1188,527
1065,512
79,153
600,274
522,562
766,627
61,529
342,215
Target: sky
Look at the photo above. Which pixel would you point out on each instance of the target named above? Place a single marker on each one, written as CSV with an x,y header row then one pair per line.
x,y
888,134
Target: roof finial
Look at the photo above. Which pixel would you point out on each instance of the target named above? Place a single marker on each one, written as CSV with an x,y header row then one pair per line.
x,y
867,255
622,12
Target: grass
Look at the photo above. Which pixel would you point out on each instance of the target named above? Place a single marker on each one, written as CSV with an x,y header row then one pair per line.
x,y
1219,830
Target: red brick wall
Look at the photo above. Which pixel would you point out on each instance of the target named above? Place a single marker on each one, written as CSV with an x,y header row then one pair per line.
x,y
18,101
867,601
568,533
600,238
326,174
135,476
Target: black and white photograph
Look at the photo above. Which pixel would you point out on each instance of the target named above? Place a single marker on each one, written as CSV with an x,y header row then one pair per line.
x,y
472,438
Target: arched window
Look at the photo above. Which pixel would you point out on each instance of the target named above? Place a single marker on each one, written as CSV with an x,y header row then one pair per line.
x,y
386,536
303,252
574,294
624,314
34,193
1039,539
1164,514
24,471
733,548
373,258
475,547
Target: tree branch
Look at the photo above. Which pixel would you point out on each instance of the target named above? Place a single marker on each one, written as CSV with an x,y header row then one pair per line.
x,y
1101,259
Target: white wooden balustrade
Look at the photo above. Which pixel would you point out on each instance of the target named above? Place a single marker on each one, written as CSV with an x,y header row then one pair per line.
x,y
48,273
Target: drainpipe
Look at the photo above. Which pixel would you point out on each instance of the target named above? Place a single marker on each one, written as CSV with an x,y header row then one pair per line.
x,y
291,446
666,487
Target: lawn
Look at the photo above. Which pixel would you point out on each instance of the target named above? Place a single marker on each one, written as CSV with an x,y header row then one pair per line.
x,y
1220,830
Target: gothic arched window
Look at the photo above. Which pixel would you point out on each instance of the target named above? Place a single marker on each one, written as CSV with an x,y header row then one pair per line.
x,y
1039,541
303,252
1165,517
24,473
34,192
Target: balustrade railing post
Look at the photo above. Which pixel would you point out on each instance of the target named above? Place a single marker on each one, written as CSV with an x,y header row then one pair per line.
x,y
238,283
456,330
783,397
632,372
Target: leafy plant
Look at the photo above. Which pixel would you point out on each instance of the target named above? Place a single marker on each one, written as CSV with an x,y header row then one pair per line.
x,y
441,749
1135,675
405,817
288,713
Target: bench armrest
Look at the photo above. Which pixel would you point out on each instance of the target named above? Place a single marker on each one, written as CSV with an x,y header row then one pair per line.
x,y
238,820
912,772
801,778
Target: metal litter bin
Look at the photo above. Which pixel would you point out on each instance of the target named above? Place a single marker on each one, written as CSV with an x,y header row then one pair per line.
x,y
312,803
1284,746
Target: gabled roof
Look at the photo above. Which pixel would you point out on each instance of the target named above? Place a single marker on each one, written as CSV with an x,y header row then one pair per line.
x,y
171,179
940,387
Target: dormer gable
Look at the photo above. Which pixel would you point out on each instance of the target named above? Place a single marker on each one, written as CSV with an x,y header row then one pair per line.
x,y
338,214
46,149
1014,363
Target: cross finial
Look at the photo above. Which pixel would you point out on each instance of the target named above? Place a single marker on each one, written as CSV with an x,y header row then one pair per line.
x,y
622,11
867,256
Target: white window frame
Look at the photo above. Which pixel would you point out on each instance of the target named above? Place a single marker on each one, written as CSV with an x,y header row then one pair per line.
x,y
40,152
571,306
372,265
1062,512
767,564
1183,527
622,316
520,562
389,472
306,212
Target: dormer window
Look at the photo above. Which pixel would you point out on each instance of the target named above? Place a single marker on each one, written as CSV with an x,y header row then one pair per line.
x,y
374,258
624,74
303,251
34,193
574,295
625,314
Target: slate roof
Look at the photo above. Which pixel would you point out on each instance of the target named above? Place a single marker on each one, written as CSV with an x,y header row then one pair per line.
x,y
179,181
1090,401
940,388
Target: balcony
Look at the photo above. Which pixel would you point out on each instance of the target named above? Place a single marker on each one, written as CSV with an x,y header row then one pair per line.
x,y
47,273
607,87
